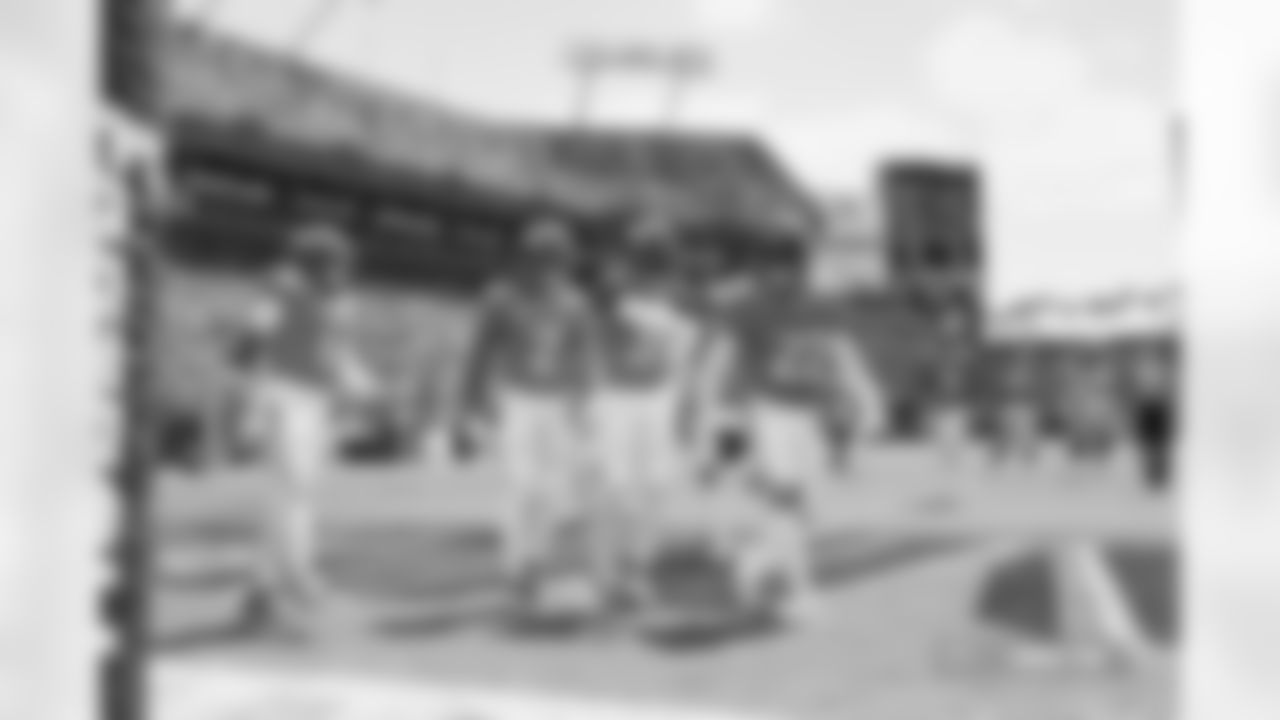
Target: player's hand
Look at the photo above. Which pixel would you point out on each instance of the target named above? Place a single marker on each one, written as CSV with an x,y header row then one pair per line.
x,y
690,422
467,441
580,415
842,462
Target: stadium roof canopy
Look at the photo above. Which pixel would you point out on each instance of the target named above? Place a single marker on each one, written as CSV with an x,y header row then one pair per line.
x,y
223,89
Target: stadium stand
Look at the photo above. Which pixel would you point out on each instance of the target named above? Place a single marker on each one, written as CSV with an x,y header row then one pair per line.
x,y
433,196
243,101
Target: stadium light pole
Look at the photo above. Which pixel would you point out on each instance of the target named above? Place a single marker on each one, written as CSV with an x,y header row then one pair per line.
x,y
319,15
587,62
206,11
677,66
683,67
1180,158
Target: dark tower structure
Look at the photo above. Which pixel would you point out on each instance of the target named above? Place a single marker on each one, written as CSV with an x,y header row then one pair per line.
x,y
935,256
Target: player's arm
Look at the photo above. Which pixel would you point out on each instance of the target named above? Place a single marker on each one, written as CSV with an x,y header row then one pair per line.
x,y
470,395
586,348
246,336
465,398
248,332
354,381
686,377
262,318
858,385
265,315
711,363
717,438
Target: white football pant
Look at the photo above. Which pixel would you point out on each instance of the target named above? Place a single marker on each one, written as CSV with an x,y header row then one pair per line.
x,y
789,444
538,447
299,428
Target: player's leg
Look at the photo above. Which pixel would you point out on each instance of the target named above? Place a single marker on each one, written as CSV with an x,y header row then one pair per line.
x,y
586,518
840,442
790,452
522,523
311,451
299,444
774,564
650,451
657,481
666,460
265,424
616,427
1152,431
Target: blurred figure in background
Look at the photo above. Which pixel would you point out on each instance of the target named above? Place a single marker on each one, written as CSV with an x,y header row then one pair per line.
x,y
1019,423
434,441
524,379
302,370
646,335
784,369
1153,422
1092,412
1019,432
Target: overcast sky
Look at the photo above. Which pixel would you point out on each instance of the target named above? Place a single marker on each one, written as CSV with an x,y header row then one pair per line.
x,y
1066,103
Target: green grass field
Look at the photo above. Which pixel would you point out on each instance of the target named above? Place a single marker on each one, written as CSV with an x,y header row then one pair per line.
x,y
905,546
902,554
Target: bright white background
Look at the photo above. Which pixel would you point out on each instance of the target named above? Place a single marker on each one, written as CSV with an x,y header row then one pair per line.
x,y
55,357
1232,81
53,501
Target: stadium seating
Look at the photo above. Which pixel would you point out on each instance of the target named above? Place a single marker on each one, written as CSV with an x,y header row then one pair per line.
x,y
218,86
410,341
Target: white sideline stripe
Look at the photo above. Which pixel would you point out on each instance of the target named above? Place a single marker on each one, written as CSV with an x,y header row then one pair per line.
x,y
1115,611
188,690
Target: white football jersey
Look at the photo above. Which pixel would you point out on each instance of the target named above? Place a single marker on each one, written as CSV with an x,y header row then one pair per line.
x,y
659,338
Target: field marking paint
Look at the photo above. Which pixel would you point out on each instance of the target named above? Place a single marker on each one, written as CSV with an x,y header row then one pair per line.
x,y
191,690
1115,612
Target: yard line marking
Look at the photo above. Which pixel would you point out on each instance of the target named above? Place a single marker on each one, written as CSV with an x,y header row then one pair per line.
x,y
1105,604
208,690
